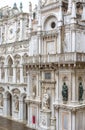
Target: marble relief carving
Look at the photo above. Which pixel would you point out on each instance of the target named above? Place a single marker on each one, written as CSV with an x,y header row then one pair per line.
x,y
46,100
16,104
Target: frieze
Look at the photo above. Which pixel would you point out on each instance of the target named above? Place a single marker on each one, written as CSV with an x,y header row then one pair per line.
x,y
14,47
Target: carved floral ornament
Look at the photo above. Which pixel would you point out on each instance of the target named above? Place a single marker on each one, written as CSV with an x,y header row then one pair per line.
x,y
46,100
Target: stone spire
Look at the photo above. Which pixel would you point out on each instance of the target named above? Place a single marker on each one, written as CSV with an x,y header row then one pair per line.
x,y
39,14
60,19
30,17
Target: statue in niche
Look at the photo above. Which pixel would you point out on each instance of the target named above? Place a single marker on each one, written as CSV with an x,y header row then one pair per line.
x,y
65,92
34,91
1,100
80,91
46,101
17,104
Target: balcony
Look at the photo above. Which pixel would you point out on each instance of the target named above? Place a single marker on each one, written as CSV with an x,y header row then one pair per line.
x,y
56,58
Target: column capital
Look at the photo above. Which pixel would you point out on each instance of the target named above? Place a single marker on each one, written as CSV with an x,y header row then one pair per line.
x,y
20,65
5,66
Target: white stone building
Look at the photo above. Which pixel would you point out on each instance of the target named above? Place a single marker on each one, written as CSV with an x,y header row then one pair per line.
x,y
42,64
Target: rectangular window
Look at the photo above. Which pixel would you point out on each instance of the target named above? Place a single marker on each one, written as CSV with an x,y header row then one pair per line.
x,y
47,75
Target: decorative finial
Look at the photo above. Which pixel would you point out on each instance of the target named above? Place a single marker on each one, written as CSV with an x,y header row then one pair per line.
x,y
21,6
35,6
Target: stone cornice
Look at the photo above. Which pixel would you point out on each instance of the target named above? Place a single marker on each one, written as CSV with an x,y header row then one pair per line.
x,y
30,100
70,107
14,84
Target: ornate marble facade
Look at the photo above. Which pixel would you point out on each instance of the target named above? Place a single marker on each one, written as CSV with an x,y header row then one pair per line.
x,y
42,64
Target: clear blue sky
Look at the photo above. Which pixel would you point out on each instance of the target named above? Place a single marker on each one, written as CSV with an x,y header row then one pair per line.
x,y
24,2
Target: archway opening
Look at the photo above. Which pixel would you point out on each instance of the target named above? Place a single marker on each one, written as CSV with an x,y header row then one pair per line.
x,y
9,104
10,69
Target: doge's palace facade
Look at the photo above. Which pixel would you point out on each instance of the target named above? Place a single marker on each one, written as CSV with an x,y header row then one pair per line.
x,y
42,64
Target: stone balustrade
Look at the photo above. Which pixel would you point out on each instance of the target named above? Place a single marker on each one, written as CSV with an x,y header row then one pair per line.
x,y
56,58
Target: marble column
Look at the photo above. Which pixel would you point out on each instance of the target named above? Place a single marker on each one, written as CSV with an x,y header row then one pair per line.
x,y
40,44
73,86
73,40
13,108
28,84
57,86
21,110
6,73
37,85
59,40
21,74
1,34
16,37
57,119
21,28
5,106
14,74
0,73
5,33
73,120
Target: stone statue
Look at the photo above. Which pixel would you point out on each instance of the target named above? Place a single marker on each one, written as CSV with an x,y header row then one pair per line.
x,y
80,91
65,92
34,91
46,99
17,104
